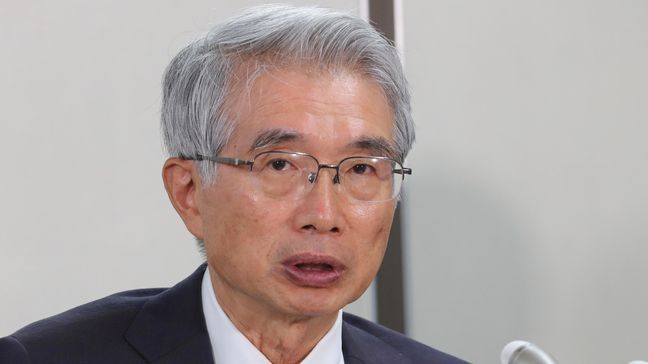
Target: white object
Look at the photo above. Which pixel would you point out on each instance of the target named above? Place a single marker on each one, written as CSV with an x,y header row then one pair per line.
x,y
523,352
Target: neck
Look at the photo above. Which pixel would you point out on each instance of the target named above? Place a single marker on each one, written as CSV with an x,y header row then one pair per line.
x,y
280,337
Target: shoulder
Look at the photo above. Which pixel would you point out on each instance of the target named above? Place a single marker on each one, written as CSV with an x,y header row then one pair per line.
x,y
98,325
112,311
364,337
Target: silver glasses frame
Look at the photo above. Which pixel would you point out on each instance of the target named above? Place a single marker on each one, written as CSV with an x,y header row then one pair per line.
x,y
312,177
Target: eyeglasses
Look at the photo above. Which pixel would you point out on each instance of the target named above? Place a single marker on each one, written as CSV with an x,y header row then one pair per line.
x,y
282,174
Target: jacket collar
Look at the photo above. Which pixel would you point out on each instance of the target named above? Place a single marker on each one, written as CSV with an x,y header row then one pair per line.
x,y
170,327
359,346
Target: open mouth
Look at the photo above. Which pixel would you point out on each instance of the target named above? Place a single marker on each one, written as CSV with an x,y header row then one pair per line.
x,y
311,270
315,266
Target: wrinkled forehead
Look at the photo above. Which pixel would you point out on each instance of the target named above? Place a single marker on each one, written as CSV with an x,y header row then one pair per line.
x,y
271,105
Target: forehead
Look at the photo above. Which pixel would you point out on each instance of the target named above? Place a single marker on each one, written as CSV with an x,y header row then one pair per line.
x,y
340,110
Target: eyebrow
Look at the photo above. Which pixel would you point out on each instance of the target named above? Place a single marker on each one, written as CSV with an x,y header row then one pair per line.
x,y
270,137
376,145
379,146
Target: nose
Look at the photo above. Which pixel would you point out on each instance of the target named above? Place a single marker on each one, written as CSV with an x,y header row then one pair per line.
x,y
320,209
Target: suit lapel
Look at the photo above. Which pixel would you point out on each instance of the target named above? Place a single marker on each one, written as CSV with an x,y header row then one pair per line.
x,y
358,346
170,328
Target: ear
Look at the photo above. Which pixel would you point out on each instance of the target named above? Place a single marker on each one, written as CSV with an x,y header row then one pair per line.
x,y
182,184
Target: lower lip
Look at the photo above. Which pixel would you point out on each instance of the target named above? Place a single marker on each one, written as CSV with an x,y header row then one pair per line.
x,y
315,278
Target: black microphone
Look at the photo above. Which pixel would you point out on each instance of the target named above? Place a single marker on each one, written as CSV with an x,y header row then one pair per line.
x,y
523,352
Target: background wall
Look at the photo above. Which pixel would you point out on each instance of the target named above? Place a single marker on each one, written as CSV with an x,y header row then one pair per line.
x,y
525,217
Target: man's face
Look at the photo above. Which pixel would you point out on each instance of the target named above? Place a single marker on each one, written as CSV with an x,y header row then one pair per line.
x,y
313,255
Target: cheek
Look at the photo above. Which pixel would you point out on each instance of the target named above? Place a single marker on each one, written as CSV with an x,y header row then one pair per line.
x,y
372,225
376,218
246,223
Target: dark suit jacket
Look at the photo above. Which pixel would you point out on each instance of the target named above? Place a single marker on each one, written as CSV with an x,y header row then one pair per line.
x,y
168,326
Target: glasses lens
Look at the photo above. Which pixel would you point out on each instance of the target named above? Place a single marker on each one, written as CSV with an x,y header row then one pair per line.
x,y
280,174
370,179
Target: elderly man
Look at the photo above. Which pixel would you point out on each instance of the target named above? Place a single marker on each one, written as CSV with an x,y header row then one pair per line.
x,y
286,129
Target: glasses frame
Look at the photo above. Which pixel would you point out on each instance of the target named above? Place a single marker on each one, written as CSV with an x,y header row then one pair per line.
x,y
312,178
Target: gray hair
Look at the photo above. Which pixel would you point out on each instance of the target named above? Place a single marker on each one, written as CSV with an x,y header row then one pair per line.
x,y
195,117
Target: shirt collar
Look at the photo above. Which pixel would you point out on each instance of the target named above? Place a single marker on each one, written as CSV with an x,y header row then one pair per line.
x,y
230,346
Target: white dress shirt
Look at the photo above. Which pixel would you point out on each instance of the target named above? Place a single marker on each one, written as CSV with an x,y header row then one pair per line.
x,y
230,346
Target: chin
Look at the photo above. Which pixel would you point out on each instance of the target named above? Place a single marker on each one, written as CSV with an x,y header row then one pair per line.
x,y
319,304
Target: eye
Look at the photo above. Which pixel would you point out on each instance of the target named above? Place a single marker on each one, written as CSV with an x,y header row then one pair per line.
x,y
279,164
362,168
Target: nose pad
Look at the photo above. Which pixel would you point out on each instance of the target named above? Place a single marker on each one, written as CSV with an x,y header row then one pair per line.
x,y
336,179
318,210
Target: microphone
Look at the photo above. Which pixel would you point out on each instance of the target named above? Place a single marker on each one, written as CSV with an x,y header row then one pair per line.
x,y
523,352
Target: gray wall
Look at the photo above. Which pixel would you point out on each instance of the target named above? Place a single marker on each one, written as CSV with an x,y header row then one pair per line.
x,y
527,212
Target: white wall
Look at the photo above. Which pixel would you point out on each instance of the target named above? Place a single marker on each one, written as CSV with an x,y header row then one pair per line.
x,y
83,211
527,213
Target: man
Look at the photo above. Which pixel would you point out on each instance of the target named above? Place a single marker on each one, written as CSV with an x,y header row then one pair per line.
x,y
286,129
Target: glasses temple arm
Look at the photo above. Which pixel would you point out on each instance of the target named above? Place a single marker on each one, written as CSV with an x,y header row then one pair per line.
x,y
225,160
403,171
